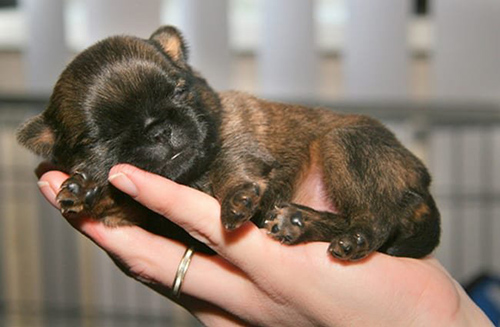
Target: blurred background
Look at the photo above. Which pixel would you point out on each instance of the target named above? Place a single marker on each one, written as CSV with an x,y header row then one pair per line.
x,y
430,69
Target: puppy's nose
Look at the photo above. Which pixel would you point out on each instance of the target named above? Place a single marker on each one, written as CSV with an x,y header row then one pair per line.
x,y
159,133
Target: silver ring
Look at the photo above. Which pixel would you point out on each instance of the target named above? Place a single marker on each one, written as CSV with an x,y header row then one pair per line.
x,y
181,272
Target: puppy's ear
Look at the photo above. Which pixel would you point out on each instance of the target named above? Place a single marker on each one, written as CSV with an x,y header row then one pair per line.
x,y
36,135
172,42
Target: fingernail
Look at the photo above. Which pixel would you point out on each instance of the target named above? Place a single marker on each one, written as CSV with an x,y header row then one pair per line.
x,y
123,183
47,191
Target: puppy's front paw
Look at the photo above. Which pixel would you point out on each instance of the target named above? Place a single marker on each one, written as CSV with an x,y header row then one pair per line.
x,y
350,246
286,223
77,195
241,205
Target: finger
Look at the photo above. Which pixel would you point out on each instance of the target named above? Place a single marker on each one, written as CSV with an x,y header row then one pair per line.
x,y
50,183
155,262
196,212
157,258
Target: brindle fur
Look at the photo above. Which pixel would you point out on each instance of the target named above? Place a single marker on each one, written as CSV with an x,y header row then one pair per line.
x,y
137,101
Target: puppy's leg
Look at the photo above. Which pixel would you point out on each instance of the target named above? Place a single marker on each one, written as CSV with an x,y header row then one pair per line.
x,y
369,174
293,223
82,196
239,182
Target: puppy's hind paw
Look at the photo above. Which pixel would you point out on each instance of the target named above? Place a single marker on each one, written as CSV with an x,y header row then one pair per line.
x,y
350,246
286,223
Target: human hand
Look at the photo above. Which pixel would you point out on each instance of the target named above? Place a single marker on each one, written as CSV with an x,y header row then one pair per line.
x,y
254,280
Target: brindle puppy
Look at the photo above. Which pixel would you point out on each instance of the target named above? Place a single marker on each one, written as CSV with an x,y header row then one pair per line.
x,y
136,101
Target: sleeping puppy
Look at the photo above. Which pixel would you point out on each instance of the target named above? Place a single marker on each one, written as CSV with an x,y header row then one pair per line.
x,y
137,101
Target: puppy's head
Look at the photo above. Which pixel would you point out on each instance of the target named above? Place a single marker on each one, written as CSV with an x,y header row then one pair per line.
x,y
129,100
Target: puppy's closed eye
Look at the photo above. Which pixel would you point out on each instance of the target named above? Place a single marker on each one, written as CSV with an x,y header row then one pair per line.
x,y
180,91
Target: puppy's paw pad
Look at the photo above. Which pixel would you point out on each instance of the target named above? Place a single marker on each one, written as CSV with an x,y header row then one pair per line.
x,y
241,205
349,247
77,195
286,223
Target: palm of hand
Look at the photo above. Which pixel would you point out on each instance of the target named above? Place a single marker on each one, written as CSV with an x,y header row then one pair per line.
x,y
255,280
